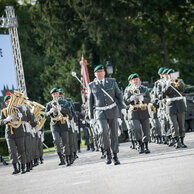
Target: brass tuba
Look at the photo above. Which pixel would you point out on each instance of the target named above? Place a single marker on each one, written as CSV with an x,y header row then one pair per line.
x,y
39,114
16,101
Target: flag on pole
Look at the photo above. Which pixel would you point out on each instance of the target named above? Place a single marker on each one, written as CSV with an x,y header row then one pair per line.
x,y
84,79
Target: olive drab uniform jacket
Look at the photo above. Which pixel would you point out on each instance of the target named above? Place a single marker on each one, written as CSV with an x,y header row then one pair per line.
x,y
175,102
97,98
11,132
137,113
58,125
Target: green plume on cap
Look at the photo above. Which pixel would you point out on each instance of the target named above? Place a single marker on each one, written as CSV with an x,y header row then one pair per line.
x,y
53,90
160,70
7,98
98,67
165,71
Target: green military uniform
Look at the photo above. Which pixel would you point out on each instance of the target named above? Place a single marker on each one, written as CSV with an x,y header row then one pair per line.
x,y
154,121
15,139
59,130
139,116
162,116
175,108
106,110
128,122
72,134
28,138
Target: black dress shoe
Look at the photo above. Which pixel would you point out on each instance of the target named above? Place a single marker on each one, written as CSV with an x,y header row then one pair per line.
x,y
146,151
116,160
108,160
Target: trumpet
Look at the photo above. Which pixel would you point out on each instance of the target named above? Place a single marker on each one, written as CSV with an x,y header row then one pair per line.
x,y
153,109
59,116
137,103
177,83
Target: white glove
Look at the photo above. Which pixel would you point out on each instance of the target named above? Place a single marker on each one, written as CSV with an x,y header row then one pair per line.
x,y
32,111
168,83
83,122
123,111
92,121
59,107
8,118
51,111
24,108
141,98
20,115
132,98
119,121
81,129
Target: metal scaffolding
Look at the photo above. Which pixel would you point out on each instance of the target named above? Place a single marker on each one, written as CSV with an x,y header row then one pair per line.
x,y
10,22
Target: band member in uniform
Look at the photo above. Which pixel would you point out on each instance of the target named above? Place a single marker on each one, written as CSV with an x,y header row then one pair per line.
x,y
59,126
14,137
175,107
104,101
137,97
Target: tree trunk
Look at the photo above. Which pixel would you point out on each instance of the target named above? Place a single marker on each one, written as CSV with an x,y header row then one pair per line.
x,y
165,50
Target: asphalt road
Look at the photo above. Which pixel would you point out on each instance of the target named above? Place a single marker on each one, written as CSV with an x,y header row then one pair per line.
x,y
164,170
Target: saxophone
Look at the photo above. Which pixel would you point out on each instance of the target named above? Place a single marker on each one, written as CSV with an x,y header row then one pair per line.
x,y
16,100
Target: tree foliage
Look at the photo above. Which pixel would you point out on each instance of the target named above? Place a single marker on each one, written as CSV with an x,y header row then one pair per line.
x,y
136,36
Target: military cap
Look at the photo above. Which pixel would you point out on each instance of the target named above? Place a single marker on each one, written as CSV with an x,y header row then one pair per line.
x,y
135,75
98,67
165,71
160,70
7,98
54,90
60,90
129,78
170,71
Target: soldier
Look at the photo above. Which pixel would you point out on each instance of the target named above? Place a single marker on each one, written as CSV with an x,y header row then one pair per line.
x,y
73,145
14,137
28,138
129,123
163,117
137,97
59,114
175,107
104,101
154,121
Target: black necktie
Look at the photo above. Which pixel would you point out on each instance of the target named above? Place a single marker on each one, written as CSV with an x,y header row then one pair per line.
x,y
101,84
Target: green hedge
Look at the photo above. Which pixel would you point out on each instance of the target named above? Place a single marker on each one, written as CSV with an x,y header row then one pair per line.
x,y
3,147
48,139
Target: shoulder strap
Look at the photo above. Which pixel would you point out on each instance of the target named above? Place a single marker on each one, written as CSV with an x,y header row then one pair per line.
x,y
5,112
107,94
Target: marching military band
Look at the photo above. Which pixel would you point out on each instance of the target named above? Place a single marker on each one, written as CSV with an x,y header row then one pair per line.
x,y
150,116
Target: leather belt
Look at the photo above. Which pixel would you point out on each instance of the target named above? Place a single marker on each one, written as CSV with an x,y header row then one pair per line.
x,y
106,107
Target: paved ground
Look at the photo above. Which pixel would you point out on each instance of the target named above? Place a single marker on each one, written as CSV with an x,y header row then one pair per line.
x,y
165,170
